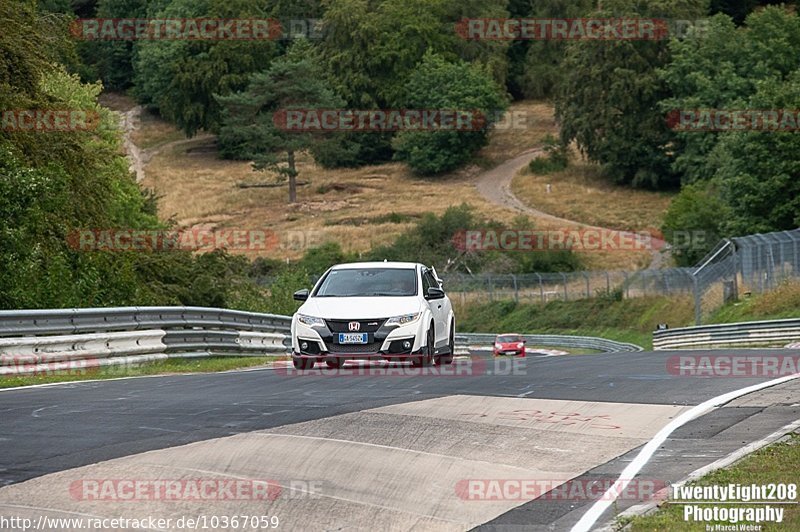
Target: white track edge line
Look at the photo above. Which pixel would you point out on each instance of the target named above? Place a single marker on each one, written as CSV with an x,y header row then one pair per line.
x,y
725,461
588,520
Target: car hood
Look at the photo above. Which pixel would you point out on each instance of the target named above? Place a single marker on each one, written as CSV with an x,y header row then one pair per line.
x,y
354,308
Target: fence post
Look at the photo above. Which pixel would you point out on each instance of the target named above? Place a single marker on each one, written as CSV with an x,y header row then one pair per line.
x,y
541,288
608,283
516,290
586,276
627,286
796,258
735,271
698,317
566,296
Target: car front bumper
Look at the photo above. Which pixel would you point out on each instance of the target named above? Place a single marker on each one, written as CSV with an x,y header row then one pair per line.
x,y
388,343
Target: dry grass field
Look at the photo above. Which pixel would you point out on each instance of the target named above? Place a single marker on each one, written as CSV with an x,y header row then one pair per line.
x,y
359,208
581,193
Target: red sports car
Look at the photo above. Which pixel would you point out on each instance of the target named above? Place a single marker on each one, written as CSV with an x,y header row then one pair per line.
x,y
509,344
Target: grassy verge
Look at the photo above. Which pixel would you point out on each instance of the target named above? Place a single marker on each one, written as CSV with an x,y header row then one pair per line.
x,y
784,302
162,367
580,192
778,463
628,320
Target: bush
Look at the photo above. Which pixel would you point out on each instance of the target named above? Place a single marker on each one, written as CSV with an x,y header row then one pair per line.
x,y
439,84
556,158
696,211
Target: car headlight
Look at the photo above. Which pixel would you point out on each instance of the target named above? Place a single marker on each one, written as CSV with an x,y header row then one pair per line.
x,y
404,320
311,321
520,345
498,346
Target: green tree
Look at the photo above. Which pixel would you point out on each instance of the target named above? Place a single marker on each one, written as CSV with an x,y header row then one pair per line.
x,y
284,286
442,85
535,65
181,77
696,211
608,101
113,60
371,47
752,173
739,9
758,173
250,128
54,183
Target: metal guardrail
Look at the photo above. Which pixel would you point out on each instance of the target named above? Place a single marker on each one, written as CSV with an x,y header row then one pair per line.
x,y
42,341
554,340
757,333
83,320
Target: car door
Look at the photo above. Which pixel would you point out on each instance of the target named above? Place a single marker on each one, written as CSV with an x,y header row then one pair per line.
x,y
447,309
439,308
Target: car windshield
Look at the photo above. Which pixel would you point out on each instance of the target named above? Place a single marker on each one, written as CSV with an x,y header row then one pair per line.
x,y
369,282
508,339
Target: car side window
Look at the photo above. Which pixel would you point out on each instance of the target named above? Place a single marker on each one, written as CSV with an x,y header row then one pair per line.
x,y
431,280
425,282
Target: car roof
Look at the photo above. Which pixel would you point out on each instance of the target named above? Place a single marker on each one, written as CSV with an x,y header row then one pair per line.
x,y
392,265
508,334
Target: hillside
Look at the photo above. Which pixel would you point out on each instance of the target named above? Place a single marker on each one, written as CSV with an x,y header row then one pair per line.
x,y
359,208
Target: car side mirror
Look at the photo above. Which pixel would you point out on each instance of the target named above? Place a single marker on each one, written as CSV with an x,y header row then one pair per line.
x,y
301,295
434,293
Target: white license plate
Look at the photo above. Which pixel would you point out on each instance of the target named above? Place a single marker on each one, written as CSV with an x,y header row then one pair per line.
x,y
352,338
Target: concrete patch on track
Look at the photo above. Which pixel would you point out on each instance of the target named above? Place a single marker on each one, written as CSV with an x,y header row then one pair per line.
x,y
390,468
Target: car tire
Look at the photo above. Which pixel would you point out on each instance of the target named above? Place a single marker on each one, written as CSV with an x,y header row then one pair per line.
x,y
427,358
335,363
448,359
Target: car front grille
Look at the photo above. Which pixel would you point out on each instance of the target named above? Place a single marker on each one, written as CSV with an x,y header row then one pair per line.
x,y
355,349
365,326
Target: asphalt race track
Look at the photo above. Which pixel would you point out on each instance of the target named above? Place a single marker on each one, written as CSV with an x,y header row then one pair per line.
x,y
352,450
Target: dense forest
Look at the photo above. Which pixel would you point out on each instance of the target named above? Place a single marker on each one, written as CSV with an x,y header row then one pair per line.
x,y
612,100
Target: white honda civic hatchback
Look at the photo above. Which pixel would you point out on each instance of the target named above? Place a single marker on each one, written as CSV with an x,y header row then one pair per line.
x,y
374,311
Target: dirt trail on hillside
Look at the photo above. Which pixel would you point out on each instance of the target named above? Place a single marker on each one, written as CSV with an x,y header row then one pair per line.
x,y
130,123
495,186
138,157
